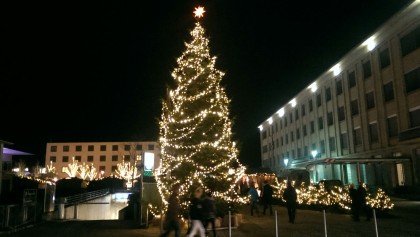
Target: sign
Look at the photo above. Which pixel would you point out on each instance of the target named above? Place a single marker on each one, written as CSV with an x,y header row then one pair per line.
x,y
149,161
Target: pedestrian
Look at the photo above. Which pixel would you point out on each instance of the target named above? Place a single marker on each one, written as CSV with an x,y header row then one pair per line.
x,y
267,197
172,214
355,202
290,196
254,198
362,192
196,214
209,212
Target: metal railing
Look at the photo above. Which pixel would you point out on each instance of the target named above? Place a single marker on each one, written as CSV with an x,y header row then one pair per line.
x,y
84,197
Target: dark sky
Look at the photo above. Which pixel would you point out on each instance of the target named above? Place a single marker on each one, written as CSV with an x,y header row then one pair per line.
x,y
97,70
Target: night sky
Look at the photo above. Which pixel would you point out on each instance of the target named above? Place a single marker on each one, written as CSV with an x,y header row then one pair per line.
x,y
97,70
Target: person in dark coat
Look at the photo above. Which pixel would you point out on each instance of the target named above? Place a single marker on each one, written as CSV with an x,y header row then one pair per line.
x,y
267,197
290,196
355,202
209,212
196,214
172,214
362,192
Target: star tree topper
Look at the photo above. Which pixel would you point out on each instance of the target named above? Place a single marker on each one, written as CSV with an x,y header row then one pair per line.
x,y
199,12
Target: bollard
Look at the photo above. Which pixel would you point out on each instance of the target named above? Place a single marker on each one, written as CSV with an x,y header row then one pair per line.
x,y
277,228
325,223
376,224
61,208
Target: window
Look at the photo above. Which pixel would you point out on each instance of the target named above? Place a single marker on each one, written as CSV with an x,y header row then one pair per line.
x,y
264,134
320,123
78,158
312,127
114,147
330,120
66,148
322,145
341,114
114,168
303,110
367,70
388,91
53,148
126,157
392,126
339,87
318,100
370,100
65,159
292,137
296,114
354,107
103,148
287,139
90,158
150,147
277,127
305,151
78,148
410,42
290,118
414,116
373,133
357,136
384,58
351,78
114,158
53,159
126,147
311,106
331,142
344,141
281,141
299,152
328,94
304,130
102,158
90,148
264,149
102,168
412,80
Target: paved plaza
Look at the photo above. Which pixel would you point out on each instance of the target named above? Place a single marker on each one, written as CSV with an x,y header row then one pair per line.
x,y
403,221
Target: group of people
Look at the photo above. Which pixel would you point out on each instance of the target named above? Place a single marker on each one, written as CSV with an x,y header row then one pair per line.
x,y
266,198
358,202
202,212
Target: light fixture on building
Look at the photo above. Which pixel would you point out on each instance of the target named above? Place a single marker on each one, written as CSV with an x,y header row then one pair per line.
x,y
314,153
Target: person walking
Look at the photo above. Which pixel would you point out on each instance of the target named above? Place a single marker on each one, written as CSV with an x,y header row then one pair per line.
x,y
172,214
267,197
196,214
290,196
209,212
254,198
362,192
355,202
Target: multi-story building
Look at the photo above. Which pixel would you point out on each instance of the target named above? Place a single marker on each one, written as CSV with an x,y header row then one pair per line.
x,y
360,120
103,156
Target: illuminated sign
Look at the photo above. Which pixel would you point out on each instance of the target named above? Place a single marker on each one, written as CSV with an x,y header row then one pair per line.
x,y
149,161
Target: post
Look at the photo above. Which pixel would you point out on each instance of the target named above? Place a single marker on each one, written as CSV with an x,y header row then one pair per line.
x,y
230,225
376,224
325,223
277,229
61,208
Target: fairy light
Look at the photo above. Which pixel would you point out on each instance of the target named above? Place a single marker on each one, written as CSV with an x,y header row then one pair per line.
x,y
195,128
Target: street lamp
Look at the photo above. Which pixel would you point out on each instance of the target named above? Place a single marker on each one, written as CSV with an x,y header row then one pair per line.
x,y
314,153
286,161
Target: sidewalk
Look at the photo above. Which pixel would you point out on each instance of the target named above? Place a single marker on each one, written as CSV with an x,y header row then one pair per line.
x,y
401,223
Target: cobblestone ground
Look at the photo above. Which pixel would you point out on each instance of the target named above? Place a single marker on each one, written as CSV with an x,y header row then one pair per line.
x,y
403,221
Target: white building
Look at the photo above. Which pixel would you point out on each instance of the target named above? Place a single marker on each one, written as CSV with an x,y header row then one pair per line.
x,y
360,120
104,156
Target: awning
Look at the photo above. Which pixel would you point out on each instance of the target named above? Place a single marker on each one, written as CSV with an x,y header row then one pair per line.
x,y
331,161
12,152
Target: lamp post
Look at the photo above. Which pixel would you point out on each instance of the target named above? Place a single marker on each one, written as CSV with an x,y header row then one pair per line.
x,y
314,153
286,161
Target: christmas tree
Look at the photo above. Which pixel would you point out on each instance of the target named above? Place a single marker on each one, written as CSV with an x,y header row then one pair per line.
x,y
195,129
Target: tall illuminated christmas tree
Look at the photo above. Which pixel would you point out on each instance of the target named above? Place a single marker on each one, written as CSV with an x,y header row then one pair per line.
x,y
195,129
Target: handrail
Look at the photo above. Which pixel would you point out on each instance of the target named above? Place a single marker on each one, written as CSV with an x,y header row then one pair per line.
x,y
84,197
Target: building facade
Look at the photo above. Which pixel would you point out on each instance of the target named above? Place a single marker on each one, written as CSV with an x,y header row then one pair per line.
x,y
360,120
103,156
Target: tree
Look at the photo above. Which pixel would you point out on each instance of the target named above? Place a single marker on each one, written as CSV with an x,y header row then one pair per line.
x,y
195,129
